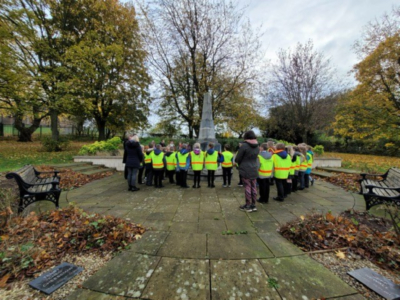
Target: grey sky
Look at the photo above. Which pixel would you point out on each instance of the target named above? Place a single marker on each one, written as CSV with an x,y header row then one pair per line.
x,y
333,25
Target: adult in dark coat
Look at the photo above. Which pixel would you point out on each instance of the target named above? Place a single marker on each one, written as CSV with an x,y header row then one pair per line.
x,y
134,156
247,158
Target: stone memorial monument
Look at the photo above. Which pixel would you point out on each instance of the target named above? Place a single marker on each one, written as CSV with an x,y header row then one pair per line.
x,y
207,132
207,129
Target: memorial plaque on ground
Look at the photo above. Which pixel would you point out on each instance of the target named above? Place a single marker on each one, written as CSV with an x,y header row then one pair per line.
x,y
376,282
55,278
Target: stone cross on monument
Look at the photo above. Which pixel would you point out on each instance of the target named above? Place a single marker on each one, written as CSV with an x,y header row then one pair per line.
x,y
207,129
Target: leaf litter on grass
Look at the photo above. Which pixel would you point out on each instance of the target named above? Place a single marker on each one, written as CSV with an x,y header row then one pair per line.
x,y
368,236
36,242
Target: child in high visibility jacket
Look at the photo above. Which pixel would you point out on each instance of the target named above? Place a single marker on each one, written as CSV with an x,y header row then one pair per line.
x,y
303,166
211,162
310,159
290,151
265,172
148,165
227,166
158,164
141,168
170,159
296,161
282,163
183,164
197,161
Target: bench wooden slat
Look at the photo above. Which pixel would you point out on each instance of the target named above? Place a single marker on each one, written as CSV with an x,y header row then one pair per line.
x,y
383,191
34,188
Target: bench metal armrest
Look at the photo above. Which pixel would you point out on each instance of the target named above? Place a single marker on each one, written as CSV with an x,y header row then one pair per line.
x,y
53,183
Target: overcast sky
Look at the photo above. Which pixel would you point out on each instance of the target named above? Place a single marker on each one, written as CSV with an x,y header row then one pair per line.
x,y
333,25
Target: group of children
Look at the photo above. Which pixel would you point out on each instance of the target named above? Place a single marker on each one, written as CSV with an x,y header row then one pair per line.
x,y
289,167
160,162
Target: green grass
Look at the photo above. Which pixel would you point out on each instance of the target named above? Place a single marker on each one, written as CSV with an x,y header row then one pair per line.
x,y
14,155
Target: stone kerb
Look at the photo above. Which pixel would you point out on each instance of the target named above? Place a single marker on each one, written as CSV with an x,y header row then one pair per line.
x,y
107,161
327,162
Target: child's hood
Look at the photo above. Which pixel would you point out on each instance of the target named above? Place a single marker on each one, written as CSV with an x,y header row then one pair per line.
x,y
266,154
211,151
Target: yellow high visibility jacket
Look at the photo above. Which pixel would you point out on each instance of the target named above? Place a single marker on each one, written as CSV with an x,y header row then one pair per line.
x,y
266,167
228,156
171,161
212,161
197,161
157,160
281,166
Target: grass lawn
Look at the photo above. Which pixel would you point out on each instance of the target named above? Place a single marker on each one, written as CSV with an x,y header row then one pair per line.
x,y
14,155
366,163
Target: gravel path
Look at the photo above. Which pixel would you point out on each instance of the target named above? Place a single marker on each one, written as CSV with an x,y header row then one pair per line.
x,y
90,263
352,262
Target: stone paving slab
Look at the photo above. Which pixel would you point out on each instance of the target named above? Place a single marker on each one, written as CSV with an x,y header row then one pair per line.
x,y
191,280
279,245
90,295
240,279
266,226
237,246
190,215
125,275
150,242
184,227
212,226
157,225
184,245
184,230
316,281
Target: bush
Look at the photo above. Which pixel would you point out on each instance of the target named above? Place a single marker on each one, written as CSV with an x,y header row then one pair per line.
x,y
111,145
50,145
319,150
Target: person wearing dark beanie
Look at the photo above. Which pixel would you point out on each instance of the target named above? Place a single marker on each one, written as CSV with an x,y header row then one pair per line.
x,y
247,158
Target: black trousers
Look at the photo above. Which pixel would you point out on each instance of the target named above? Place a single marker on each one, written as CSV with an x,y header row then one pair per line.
x,y
170,175
158,174
301,179
280,186
210,177
306,180
149,176
183,178
196,178
295,183
140,176
288,186
264,187
227,175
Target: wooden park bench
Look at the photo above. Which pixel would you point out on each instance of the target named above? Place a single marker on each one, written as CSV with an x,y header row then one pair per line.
x,y
33,187
378,191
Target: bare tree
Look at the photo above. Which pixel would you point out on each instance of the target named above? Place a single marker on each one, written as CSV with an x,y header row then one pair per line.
x,y
376,32
302,81
196,46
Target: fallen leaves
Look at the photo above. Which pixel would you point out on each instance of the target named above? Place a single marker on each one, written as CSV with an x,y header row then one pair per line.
x,y
340,254
365,235
70,179
349,182
36,242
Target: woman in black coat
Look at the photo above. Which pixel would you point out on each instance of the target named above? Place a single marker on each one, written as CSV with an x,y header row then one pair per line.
x,y
247,159
134,156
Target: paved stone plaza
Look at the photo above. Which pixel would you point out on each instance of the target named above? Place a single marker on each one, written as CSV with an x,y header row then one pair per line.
x,y
184,254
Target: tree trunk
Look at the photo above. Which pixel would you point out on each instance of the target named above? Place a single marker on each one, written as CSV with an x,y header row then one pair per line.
x,y
25,133
54,125
101,128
